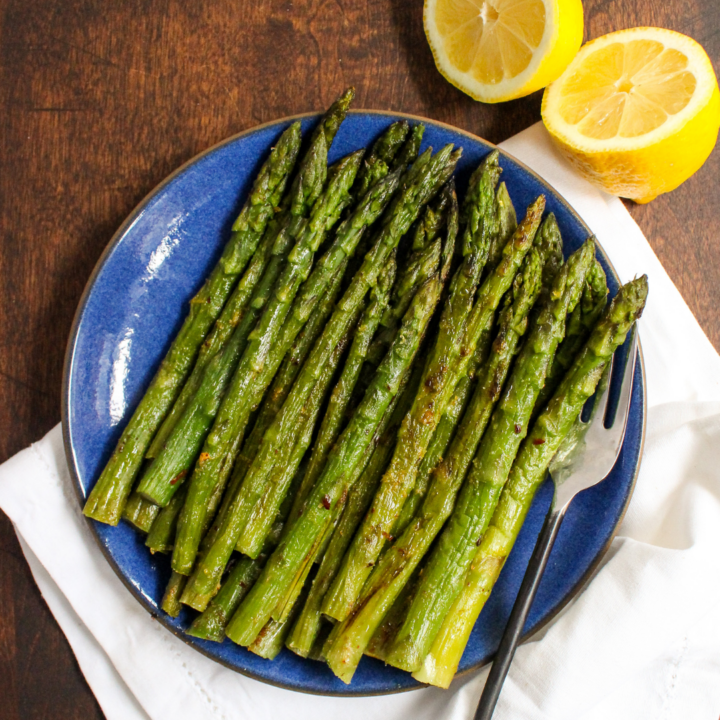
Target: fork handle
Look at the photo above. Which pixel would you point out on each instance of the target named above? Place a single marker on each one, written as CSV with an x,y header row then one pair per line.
x,y
523,602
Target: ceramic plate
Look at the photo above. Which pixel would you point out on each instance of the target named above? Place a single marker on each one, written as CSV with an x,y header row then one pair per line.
x,y
135,302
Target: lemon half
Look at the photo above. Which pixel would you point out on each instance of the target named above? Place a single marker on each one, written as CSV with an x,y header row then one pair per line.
x,y
496,50
637,111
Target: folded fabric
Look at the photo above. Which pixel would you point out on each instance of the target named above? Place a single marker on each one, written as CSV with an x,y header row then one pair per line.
x,y
641,641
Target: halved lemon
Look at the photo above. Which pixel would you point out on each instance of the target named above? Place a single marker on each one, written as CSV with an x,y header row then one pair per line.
x,y
496,50
637,111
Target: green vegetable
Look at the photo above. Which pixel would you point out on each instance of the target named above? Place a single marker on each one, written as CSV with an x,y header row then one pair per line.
x,y
527,474
427,176
107,498
448,563
349,639
333,484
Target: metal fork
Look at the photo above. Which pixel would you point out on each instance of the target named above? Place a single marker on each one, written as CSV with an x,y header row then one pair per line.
x,y
586,458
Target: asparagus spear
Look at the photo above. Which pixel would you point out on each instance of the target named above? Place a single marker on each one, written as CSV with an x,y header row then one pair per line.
x,y
443,370
405,157
381,155
251,531
340,397
283,382
349,639
528,473
333,484
162,533
241,303
506,223
211,624
171,599
422,264
298,431
107,498
313,290
167,473
383,151
456,407
579,325
139,512
271,638
209,476
451,557
308,625
428,175
410,149
427,253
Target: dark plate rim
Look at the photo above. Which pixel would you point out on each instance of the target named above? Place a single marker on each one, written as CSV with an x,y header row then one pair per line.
x,y
68,365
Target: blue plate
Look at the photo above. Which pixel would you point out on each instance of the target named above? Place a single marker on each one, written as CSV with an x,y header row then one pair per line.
x,y
135,302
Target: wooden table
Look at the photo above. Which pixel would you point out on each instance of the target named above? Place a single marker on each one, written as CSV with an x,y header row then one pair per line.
x,y
100,101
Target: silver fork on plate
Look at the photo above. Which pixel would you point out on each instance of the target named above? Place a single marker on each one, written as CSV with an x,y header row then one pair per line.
x,y
586,457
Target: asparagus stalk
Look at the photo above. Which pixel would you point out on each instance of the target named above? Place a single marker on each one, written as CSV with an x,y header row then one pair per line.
x,y
508,426
283,382
314,289
373,170
445,367
271,638
349,639
309,623
381,155
171,599
161,537
421,265
242,302
333,484
506,224
445,430
579,325
108,496
298,432
211,470
167,473
526,476
139,512
341,394
428,175
211,624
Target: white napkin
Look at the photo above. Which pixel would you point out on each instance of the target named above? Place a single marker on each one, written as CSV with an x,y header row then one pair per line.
x,y
642,641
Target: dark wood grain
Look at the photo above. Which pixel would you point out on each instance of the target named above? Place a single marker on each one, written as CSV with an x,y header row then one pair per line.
x,y
100,101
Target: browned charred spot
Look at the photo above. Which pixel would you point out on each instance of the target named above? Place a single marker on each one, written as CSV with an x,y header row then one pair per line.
x,y
178,477
326,502
464,351
479,540
538,441
495,387
518,428
344,495
243,584
387,536
427,416
403,551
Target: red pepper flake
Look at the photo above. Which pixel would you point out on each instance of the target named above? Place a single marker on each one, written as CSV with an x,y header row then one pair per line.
x,y
518,428
178,477
538,441
326,502
204,457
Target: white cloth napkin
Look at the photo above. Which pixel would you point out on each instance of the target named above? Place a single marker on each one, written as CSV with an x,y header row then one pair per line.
x,y
642,641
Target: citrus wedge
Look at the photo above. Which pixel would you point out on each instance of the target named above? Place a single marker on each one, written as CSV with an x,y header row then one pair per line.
x,y
496,50
637,111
